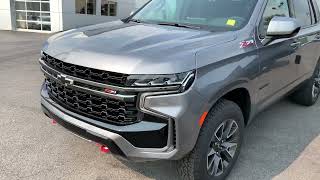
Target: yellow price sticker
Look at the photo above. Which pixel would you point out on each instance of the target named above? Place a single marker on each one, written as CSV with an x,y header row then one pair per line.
x,y
231,22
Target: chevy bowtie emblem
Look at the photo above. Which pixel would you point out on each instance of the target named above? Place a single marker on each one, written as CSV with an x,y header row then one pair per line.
x,y
64,80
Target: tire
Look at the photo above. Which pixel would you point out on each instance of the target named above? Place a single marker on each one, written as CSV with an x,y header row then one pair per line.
x,y
195,165
308,93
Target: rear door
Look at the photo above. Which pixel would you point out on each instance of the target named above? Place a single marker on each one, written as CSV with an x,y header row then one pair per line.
x,y
307,13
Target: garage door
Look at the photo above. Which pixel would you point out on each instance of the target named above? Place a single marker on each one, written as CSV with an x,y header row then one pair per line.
x,y
33,15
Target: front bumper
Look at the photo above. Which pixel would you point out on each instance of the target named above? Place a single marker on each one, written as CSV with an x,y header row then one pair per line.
x,y
182,109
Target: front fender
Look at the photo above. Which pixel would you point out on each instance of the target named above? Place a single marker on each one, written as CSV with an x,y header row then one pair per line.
x,y
220,72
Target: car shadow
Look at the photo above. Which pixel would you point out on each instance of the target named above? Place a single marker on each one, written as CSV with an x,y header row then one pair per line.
x,y
159,170
274,139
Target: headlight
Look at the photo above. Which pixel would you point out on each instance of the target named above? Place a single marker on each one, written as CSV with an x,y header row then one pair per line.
x,y
185,78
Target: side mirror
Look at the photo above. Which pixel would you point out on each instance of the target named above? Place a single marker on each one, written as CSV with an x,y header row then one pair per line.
x,y
281,27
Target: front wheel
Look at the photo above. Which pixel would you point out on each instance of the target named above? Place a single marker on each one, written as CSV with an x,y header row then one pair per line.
x,y
218,145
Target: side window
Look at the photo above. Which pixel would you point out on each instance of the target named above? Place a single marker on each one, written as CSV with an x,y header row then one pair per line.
x,y
273,8
302,12
108,8
317,2
316,6
85,6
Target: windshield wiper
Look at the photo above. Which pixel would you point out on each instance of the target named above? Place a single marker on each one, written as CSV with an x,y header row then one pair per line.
x,y
179,25
135,20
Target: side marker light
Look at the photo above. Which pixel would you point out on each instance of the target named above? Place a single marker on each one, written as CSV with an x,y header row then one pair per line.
x,y
203,118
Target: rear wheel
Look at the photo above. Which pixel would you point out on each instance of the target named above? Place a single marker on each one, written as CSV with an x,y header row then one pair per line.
x,y
308,94
218,144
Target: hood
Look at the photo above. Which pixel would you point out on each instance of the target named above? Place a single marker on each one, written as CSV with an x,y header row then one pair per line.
x,y
133,48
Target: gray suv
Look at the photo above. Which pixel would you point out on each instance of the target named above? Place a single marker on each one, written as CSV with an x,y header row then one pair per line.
x,y
181,79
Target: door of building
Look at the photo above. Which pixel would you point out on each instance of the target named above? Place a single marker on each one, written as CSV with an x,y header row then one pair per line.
x,y
32,15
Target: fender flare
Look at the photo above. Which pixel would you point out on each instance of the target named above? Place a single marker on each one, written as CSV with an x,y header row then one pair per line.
x,y
242,83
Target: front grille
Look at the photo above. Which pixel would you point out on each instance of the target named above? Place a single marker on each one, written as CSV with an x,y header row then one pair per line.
x,y
105,77
101,108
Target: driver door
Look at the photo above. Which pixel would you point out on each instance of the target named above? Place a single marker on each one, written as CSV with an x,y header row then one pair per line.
x,y
278,67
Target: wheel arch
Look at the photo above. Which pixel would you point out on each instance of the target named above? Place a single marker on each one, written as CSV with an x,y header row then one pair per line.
x,y
238,92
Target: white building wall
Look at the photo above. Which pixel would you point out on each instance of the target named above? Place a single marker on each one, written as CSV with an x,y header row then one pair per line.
x,y
56,15
5,15
64,17
72,20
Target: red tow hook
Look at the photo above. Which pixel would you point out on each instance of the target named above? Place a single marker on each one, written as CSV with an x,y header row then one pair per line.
x,y
53,122
104,149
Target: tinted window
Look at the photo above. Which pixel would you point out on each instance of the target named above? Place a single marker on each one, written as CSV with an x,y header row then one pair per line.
x,y
302,12
273,8
33,6
215,14
108,8
85,6
316,5
80,6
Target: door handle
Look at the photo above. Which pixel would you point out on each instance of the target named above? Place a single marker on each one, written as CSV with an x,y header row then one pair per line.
x,y
295,45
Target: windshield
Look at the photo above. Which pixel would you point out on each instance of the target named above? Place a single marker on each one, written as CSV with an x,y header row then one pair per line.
x,y
214,14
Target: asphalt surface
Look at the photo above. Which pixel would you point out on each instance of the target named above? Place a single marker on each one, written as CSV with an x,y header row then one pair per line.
x,y
282,143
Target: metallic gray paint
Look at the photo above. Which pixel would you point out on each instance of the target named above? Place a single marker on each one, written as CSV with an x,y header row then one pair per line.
x,y
136,49
267,72
133,153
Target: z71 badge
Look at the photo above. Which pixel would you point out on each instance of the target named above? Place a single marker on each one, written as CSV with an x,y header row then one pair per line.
x,y
245,44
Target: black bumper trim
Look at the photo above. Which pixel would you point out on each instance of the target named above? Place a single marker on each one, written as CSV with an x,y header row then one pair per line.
x,y
114,149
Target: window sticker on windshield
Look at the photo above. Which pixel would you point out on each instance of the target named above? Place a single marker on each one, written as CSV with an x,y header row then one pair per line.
x,y
231,22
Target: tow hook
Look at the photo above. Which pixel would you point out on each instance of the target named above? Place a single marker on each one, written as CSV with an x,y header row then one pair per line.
x,y
53,122
104,149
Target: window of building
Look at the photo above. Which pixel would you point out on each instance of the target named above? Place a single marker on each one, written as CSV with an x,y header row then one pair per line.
x,y
85,7
108,8
33,14
302,12
273,8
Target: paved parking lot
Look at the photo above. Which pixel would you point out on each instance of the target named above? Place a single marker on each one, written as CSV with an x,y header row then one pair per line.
x,y
282,143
